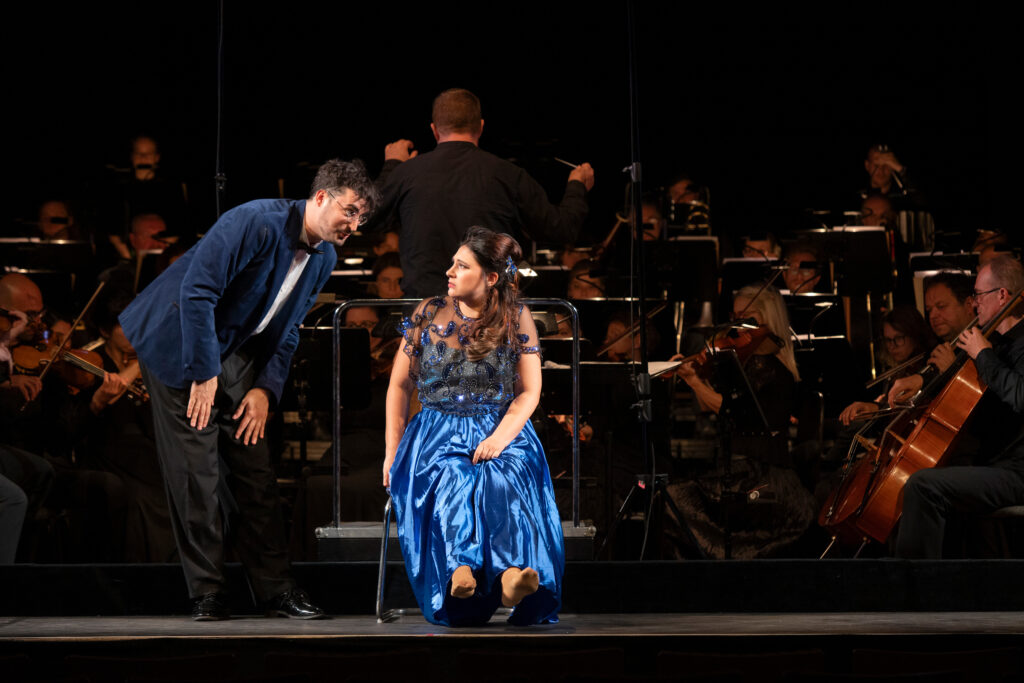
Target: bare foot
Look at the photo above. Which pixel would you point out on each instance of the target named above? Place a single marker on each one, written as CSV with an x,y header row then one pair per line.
x,y
463,583
516,584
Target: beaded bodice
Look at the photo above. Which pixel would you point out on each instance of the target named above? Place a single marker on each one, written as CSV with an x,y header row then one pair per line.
x,y
435,341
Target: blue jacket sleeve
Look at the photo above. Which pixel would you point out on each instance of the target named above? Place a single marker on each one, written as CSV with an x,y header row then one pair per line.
x,y
229,245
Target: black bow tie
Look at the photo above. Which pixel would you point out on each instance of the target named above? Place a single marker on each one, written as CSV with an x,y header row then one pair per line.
x,y
299,244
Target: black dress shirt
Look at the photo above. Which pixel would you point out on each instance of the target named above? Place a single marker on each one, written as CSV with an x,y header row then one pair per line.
x,y
438,195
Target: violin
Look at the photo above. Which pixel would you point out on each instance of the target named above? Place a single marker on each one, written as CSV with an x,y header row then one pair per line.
x,y
760,341
383,357
78,368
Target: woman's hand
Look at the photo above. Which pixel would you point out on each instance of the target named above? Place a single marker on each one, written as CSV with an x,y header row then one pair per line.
x,y
488,449
687,371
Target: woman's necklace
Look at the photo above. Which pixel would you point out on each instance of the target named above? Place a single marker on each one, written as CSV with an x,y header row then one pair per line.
x,y
458,312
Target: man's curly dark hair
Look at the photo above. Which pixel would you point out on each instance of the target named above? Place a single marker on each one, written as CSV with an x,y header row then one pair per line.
x,y
337,174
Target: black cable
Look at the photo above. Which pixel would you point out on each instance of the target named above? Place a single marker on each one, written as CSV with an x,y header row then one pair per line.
x,y
219,179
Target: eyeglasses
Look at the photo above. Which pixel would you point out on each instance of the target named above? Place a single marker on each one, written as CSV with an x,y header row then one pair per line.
x,y
898,340
351,212
987,291
35,316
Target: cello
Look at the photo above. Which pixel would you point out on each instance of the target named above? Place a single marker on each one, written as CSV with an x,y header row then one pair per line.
x,y
869,501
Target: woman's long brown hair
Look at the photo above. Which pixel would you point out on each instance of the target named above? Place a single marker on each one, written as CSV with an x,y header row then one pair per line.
x,y
498,321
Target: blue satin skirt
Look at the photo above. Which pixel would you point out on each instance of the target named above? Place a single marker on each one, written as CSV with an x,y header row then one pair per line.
x,y
492,516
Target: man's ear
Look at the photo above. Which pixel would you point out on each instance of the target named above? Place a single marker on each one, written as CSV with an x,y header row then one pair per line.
x,y
433,129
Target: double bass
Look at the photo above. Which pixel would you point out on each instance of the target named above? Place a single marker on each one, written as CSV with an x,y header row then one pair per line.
x,y
869,501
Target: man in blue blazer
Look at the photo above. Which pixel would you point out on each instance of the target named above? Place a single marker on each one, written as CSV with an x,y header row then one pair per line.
x,y
215,334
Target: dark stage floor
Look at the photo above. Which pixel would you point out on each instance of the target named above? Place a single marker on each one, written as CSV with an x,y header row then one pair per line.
x,y
73,629
706,621
852,646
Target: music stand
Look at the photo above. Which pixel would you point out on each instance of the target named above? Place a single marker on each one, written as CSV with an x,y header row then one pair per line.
x,y
309,388
613,383
964,262
552,281
739,272
348,282
861,254
815,315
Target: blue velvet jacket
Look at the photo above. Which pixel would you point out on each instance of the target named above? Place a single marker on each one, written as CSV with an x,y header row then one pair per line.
x,y
210,301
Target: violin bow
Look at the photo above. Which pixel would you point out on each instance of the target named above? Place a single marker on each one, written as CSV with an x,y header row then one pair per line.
x,y
632,329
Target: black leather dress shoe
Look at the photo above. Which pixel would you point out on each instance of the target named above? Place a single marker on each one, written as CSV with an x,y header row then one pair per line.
x,y
294,604
210,607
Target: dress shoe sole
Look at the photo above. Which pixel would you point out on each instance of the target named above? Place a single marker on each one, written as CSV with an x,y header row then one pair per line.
x,y
210,617
304,617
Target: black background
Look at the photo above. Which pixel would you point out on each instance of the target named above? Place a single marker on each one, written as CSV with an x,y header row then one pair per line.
x,y
772,108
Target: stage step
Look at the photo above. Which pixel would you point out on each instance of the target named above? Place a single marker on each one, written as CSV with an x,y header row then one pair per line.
x,y
360,542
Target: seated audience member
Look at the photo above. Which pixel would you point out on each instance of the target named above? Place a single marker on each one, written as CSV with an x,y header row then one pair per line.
x,y
387,276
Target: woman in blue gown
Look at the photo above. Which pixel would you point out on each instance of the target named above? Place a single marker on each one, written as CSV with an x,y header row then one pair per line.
x,y
475,508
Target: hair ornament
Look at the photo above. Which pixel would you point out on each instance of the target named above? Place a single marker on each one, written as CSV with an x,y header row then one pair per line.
x,y
510,268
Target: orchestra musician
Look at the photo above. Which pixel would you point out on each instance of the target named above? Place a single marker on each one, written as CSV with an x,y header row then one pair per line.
x,y
20,296
117,426
36,419
949,307
996,477
758,461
